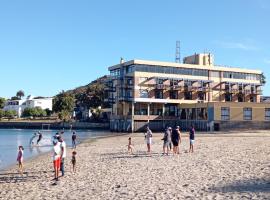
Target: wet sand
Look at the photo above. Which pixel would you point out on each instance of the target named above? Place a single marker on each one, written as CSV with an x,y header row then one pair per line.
x,y
223,166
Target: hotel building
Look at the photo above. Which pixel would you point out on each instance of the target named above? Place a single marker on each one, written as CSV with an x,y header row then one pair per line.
x,y
161,94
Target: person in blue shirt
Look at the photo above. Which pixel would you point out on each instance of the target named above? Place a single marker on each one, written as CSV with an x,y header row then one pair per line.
x,y
191,139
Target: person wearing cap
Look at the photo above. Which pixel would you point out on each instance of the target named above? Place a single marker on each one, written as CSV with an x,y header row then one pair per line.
x,y
56,158
63,147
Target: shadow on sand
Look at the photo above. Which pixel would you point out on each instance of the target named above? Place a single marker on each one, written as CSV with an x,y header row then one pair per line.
x,y
13,177
253,185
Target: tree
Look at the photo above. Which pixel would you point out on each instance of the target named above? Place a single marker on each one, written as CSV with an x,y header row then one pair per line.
x,y
10,113
34,112
93,97
64,115
263,79
2,102
2,113
64,103
20,94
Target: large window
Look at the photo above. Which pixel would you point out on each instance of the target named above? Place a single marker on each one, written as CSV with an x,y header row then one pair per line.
x,y
238,75
225,113
267,113
171,70
247,113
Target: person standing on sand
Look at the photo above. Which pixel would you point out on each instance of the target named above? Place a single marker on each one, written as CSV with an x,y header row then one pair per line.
x,y
20,159
148,137
130,146
166,140
175,140
56,159
191,139
74,137
73,161
63,147
180,138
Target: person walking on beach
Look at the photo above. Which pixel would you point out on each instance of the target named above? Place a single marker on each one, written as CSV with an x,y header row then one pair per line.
x,y
56,159
20,159
191,139
130,146
63,147
73,138
148,137
73,161
39,137
166,140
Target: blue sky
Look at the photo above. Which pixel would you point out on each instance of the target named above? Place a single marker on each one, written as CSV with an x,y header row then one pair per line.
x,y
53,45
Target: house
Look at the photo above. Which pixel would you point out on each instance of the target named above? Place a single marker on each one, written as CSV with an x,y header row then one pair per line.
x,y
29,102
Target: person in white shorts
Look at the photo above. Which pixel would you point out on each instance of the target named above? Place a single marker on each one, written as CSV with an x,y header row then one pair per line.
x,y
148,137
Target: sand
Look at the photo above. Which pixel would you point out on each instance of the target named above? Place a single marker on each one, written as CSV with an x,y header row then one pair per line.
x,y
223,166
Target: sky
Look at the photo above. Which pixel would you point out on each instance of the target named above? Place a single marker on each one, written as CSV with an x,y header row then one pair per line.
x,y
47,46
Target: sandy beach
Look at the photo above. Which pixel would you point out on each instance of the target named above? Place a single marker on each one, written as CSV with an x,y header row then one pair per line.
x,y
223,166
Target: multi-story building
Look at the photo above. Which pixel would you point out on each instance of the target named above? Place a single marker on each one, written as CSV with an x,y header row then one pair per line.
x,y
197,92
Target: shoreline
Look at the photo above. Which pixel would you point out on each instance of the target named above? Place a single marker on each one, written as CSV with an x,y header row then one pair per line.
x,y
31,159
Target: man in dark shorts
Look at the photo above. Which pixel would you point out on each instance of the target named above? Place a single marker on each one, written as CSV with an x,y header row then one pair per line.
x,y
175,140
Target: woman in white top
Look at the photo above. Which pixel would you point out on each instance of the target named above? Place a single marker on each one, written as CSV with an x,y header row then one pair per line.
x,y
148,137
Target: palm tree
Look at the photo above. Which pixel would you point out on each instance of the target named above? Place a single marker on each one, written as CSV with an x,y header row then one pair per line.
x,y
20,94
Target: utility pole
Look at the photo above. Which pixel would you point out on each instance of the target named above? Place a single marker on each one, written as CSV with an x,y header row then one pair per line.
x,y
177,52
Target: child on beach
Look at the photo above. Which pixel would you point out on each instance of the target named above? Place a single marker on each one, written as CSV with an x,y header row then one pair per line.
x,y
130,146
20,159
73,161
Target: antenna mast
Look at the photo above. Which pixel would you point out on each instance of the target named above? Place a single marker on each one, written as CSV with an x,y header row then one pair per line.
x,y
177,52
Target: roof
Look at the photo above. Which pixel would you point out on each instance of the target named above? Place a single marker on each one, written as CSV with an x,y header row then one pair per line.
x,y
193,66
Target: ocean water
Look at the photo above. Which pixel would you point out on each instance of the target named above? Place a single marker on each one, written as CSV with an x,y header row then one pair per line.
x,y
10,139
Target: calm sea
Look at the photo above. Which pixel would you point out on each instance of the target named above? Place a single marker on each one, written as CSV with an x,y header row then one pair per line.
x,y
10,139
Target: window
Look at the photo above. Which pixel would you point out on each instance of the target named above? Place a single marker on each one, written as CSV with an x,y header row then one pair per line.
x,y
173,94
143,94
129,93
214,73
225,113
247,113
129,81
267,113
159,94
188,95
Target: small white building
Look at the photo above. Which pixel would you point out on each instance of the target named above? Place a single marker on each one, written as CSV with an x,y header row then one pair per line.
x,y
29,102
